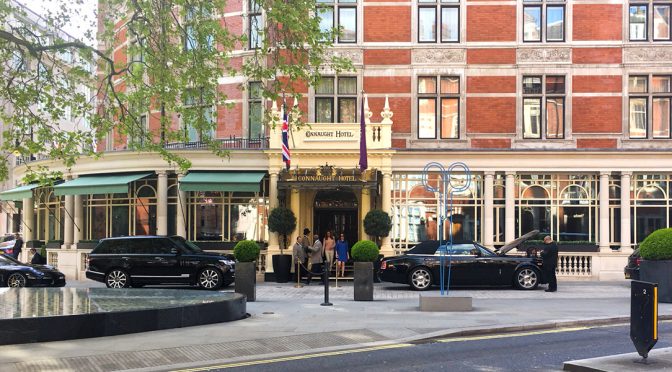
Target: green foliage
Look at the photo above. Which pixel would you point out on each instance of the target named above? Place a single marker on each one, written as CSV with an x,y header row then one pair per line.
x,y
377,223
657,246
177,53
365,251
281,220
246,251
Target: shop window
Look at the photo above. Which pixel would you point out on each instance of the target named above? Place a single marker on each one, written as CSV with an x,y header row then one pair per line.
x,y
649,105
543,20
438,107
543,107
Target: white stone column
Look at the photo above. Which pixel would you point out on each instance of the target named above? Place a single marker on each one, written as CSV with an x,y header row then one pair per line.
x,y
295,206
365,208
604,213
273,239
510,207
28,217
386,201
625,212
162,203
181,222
10,225
79,219
488,211
4,217
69,225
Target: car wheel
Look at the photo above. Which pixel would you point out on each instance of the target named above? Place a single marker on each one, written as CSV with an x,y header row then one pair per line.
x,y
209,278
117,278
17,280
420,279
526,278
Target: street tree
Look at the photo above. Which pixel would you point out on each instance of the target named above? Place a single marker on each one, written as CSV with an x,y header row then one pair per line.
x,y
165,57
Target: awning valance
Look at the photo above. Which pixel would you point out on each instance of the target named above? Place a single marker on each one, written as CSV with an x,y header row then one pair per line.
x,y
101,184
18,193
222,181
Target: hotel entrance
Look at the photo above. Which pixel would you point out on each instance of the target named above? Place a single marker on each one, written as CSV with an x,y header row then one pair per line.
x,y
336,211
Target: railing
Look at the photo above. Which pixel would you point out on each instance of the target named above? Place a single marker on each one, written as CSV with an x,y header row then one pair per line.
x,y
575,265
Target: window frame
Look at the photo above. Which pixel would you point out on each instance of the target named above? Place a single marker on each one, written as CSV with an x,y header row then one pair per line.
x,y
334,98
336,6
438,6
646,21
438,99
543,96
669,20
649,96
649,24
252,14
543,6
250,101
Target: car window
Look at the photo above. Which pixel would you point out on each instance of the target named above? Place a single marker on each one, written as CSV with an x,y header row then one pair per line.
x,y
139,246
458,249
10,260
163,246
186,245
3,261
485,251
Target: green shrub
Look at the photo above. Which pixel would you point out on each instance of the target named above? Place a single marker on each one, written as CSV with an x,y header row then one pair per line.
x,y
377,223
657,246
246,251
281,220
365,251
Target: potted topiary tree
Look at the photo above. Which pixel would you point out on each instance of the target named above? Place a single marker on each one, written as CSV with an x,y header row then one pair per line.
x,y
364,253
656,264
246,252
282,221
378,224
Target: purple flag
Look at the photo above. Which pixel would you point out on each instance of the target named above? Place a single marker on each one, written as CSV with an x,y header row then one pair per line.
x,y
363,161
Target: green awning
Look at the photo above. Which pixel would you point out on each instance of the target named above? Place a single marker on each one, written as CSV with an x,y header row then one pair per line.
x,y
18,193
102,184
222,181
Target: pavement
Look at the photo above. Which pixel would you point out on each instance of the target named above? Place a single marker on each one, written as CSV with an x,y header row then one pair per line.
x,y
658,360
289,321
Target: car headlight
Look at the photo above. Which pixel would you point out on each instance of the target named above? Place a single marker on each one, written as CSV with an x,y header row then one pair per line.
x,y
227,262
34,274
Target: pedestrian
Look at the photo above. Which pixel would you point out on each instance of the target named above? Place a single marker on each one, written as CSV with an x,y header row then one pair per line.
x,y
18,244
37,258
329,246
549,256
316,260
299,257
341,254
307,245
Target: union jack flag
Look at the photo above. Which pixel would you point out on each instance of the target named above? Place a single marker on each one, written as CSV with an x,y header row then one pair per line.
x,y
286,157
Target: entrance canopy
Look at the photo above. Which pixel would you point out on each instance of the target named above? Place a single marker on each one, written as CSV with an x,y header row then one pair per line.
x,y
222,181
102,184
18,193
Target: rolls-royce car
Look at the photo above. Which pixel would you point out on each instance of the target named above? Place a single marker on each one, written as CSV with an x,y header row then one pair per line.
x,y
16,274
472,265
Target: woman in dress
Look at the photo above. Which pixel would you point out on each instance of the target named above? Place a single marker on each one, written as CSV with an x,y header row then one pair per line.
x,y
329,246
341,254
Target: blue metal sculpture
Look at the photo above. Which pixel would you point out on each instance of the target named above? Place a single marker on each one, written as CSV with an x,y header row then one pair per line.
x,y
445,189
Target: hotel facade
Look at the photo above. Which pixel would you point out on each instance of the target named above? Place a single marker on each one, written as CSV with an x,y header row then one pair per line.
x,y
560,110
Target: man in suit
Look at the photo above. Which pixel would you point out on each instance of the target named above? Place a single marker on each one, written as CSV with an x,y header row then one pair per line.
x,y
550,261
316,259
18,244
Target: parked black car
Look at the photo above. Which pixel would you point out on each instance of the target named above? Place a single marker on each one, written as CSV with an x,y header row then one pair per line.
x,y
631,270
140,260
472,265
16,274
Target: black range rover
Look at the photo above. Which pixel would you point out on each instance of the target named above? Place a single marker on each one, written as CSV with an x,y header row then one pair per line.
x,y
139,260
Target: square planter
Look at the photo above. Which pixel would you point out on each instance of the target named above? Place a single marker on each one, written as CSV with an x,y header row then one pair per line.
x,y
658,272
246,280
363,281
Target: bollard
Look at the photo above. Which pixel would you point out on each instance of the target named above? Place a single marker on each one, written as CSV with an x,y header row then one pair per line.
x,y
325,278
298,276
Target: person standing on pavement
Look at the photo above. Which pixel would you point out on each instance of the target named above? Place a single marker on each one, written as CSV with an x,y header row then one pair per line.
x,y
18,244
550,261
316,254
329,246
299,257
341,253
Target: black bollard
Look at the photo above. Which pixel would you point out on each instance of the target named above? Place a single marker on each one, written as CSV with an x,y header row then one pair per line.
x,y
325,279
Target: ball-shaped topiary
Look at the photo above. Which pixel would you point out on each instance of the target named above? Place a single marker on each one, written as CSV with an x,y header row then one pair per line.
x,y
657,246
365,251
281,220
377,223
246,251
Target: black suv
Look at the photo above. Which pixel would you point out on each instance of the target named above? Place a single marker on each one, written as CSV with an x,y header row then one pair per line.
x,y
139,260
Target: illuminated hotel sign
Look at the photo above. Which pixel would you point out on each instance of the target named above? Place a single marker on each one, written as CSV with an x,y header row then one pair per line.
x,y
331,135
328,175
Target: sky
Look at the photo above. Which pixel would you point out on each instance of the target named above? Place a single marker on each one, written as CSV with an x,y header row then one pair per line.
x,y
76,28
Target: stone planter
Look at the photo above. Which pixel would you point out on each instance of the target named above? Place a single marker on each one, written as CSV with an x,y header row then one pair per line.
x,y
282,267
659,272
246,280
363,281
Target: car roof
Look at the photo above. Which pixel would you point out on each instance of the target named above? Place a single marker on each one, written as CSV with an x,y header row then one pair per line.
x,y
134,237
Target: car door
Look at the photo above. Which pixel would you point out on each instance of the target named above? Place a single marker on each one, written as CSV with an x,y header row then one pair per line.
x,y
461,264
165,260
489,267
